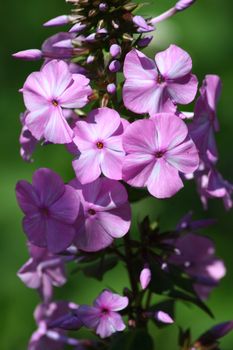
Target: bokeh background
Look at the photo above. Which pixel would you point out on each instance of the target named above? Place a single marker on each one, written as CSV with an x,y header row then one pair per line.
x,y
205,31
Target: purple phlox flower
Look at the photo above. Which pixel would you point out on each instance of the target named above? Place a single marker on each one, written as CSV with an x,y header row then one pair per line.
x,y
211,184
145,277
216,332
99,141
58,21
179,6
50,210
153,87
158,150
104,213
205,122
163,317
197,257
47,337
27,141
142,25
103,316
43,271
187,223
46,93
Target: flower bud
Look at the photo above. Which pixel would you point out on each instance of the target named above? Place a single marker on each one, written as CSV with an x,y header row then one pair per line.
x,y
29,55
183,4
145,277
115,50
144,42
103,6
90,59
78,27
57,21
111,88
114,66
67,44
163,317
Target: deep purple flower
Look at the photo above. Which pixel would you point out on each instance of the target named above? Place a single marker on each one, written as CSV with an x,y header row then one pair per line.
x,y
47,337
196,255
46,93
187,223
157,150
43,271
205,122
104,213
213,334
103,316
153,87
50,209
99,141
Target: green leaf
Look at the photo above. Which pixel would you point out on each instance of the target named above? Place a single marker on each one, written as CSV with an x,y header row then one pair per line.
x,y
138,339
99,268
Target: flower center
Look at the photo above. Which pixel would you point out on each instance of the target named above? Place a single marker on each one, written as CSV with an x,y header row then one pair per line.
x,y
91,211
99,145
160,79
159,154
55,103
104,311
44,211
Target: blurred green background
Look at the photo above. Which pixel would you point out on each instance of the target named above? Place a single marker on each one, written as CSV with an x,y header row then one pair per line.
x,y
205,31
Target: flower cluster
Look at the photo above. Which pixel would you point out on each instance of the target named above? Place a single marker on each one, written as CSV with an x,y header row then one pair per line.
x,y
123,137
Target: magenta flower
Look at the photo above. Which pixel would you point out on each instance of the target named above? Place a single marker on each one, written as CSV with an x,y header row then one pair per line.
x,y
153,87
158,149
196,254
43,271
99,140
47,337
50,209
104,214
46,93
103,316
205,122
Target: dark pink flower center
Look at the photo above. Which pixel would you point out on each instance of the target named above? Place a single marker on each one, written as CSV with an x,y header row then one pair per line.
x,y
55,103
99,145
104,311
91,211
159,154
44,211
160,79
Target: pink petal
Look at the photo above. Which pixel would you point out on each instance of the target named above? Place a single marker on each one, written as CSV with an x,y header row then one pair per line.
x,y
183,157
29,275
37,120
87,166
111,164
106,120
35,94
49,186
76,95
138,66
111,301
137,168
174,62
35,229
183,90
109,325
164,181
57,129
85,135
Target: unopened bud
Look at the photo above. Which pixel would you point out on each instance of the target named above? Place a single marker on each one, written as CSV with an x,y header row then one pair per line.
x,y
163,317
145,277
78,27
103,6
29,55
57,21
114,66
183,4
111,89
115,50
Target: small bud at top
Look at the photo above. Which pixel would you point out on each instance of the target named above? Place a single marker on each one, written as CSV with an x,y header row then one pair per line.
x,y
29,55
115,50
183,4
57,21
103,6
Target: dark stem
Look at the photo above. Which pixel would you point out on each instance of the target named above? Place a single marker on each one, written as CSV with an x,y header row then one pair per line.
x,y
130,269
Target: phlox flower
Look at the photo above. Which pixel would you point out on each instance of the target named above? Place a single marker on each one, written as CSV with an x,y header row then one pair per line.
x,y
197,257
158,150
104,213
156,86
46,93
43,271
205,121
50,209
99,141
103,316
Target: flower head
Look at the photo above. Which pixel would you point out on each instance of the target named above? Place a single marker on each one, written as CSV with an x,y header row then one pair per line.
x,y
99,141
46,93
153,87
158,150
50,209
103,316
104,213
